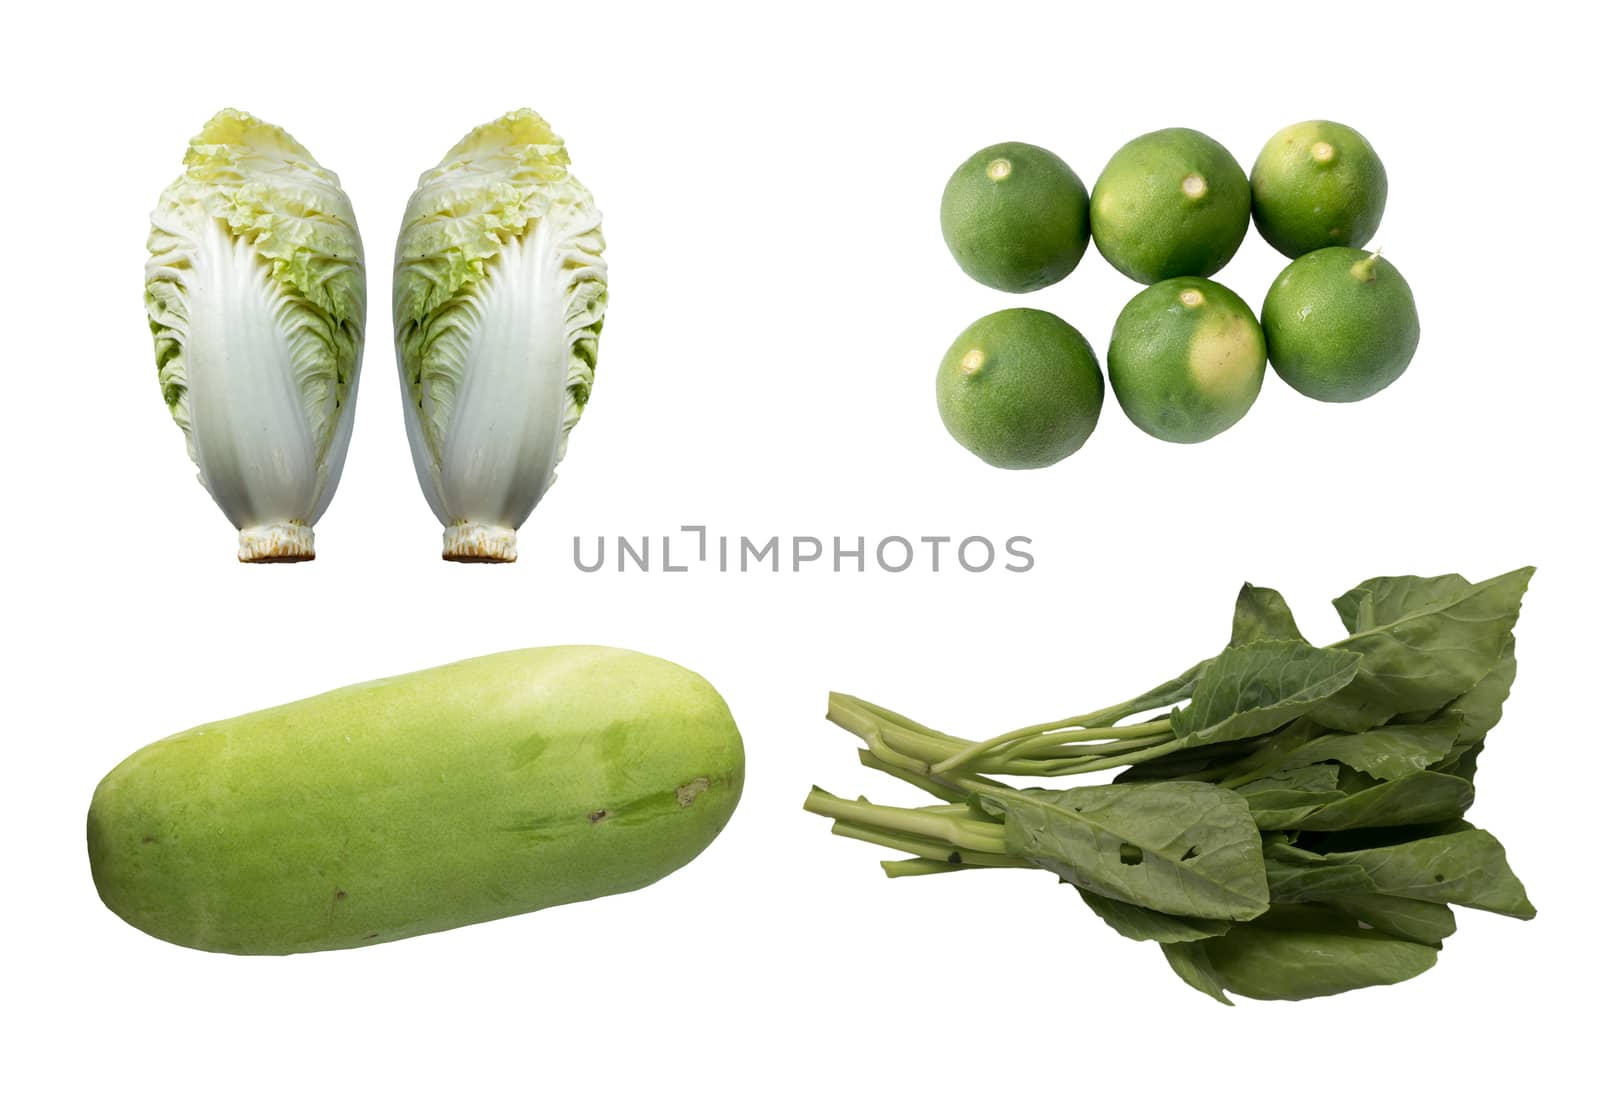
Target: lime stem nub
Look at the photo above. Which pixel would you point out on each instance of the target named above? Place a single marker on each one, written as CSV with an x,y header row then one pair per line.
x,y
1366,269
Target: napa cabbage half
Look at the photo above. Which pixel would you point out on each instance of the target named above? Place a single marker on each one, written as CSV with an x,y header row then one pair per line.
x,y
499,297
256,294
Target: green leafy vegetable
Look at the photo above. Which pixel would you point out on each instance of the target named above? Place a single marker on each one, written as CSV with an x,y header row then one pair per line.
x,y
1290,826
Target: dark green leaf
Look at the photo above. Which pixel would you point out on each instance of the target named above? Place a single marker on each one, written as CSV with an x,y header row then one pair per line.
x,y
1301,951
1479,710
1314,778
1423,642
1148,925
1286,810
1284,799
1282,846
1189,961
1361,839
1270,753
1184,848
1297,874
1261,614
1388,752
1481,707
1463,765
1289,882
1404,918
1467,867
1386,599
1255,688
1425,797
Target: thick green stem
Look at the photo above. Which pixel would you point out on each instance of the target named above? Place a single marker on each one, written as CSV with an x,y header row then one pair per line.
x,y
877,726
976,835
1114,732
963,809
937,787
1089,742
1170,693
912,744
903,737
979,749
919,868
1076,767
903,750
905,722
1079,751
926,849
1021,742
847,713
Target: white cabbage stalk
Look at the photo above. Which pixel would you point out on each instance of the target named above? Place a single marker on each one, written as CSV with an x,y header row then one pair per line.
x,y
257,297
499,295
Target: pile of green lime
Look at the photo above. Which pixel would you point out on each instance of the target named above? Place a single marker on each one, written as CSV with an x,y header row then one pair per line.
x,y
1022,389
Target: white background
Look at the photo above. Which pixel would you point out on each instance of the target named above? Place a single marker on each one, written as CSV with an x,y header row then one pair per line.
x,y
780,297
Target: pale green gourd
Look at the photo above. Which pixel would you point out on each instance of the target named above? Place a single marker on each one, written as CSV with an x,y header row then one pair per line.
x,y
450,796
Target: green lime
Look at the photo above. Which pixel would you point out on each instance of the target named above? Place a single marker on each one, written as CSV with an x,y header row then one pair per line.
x,y
1317,184
1186,360
1015,217
1341,324
1020,388
1170,203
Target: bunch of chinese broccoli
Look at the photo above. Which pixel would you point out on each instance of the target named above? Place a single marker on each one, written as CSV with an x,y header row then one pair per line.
x,y
1291,822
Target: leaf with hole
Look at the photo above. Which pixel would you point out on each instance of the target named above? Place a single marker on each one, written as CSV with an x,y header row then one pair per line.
x,y
1184,848
1389,752
1467,868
